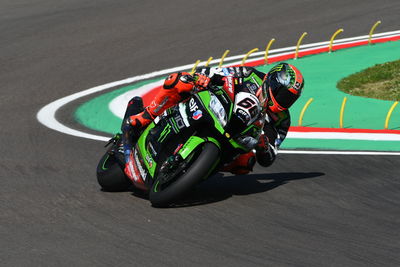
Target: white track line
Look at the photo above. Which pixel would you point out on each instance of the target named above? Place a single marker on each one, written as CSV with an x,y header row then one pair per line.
x,y
335,152
345,136
46,115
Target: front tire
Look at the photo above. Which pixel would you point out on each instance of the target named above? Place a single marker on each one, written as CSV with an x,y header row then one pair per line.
x,y
110,175
201,167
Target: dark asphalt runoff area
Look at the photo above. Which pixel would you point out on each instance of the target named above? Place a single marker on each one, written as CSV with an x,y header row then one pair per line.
x,y
305,210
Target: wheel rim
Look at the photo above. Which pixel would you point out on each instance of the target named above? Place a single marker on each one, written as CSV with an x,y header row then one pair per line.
x,y
177,173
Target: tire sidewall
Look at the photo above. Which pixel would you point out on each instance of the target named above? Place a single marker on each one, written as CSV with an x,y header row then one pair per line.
x,y
112,179
194,174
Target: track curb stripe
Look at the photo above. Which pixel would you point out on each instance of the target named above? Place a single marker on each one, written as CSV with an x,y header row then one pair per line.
x,y
46,115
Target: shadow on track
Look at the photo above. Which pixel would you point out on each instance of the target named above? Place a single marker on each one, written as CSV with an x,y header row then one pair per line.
x,y
218,187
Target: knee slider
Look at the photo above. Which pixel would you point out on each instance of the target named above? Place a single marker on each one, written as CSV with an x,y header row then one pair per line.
x,y
265,159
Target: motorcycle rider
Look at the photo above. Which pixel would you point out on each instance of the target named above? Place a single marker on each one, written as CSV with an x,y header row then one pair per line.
x,y
277,91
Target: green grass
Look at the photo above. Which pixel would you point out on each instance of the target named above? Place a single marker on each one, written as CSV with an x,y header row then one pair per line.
x,y
380,81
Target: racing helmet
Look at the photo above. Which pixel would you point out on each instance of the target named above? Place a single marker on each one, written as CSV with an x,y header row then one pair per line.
x,y
281,87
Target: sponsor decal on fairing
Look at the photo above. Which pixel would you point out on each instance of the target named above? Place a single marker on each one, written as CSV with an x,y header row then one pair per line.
x,y
142,172
192,105
197,114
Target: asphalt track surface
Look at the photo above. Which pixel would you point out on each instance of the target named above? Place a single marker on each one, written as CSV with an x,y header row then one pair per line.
x,y
305,210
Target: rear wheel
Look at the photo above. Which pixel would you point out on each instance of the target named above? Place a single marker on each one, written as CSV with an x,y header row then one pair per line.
x,y
196,167
110,175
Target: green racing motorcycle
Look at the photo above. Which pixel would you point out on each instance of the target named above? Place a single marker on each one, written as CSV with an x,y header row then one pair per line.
x,y
188,143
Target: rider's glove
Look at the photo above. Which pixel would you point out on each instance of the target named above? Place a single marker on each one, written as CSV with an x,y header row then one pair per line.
x,y
201,80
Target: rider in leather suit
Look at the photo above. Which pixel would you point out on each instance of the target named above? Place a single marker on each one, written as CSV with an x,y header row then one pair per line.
x,y
277,91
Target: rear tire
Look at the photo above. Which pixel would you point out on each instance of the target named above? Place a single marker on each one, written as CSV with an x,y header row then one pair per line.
x,y
110,175
199,169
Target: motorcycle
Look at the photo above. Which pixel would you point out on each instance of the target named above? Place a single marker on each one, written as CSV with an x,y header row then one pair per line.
x,y
188,143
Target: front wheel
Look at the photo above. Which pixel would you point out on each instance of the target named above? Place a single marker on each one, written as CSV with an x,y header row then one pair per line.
x,y
200,167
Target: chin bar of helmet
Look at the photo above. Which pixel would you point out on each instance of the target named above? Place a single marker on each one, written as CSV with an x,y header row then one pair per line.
x,y
275,108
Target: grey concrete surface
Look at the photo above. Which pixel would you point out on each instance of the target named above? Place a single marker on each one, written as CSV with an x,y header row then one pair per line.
x,y
303,211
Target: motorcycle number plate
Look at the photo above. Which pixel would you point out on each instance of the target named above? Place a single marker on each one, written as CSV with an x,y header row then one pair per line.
x,y
247,107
